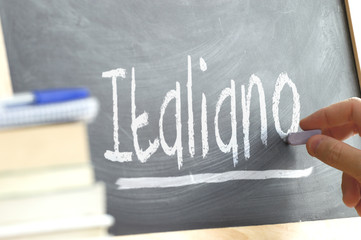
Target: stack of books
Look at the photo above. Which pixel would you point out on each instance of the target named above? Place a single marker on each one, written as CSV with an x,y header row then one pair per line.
x,y
47,184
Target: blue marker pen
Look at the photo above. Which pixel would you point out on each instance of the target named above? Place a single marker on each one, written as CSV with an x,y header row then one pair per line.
x,y
44,97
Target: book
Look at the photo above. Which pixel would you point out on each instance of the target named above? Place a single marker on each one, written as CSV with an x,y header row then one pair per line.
x,y
44,146
46,178
49,179
64,228
86,201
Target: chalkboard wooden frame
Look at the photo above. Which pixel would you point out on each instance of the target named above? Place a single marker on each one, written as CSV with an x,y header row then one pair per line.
x,y
5,80
354,22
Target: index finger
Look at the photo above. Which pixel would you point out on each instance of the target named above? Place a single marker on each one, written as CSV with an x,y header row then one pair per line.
x,y
338,114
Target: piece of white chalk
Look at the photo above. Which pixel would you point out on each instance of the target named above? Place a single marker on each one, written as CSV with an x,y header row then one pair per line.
x,y
299,138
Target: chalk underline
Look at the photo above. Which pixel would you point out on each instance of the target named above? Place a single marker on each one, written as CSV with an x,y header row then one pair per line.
x,y
180,181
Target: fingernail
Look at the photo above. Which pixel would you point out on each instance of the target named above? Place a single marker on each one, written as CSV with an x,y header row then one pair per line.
x,y
314,145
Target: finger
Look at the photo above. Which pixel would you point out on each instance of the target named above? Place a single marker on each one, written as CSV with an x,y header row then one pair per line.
x,y
338,114
336,154
350,190
341,132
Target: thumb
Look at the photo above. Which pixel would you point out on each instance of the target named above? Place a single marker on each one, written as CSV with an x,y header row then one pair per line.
x,y
337,154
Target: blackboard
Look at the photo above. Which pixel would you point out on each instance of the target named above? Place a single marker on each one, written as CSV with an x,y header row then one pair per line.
x,y
183,71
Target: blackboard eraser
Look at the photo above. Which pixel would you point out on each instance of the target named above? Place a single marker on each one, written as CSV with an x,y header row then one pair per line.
x,y
298,138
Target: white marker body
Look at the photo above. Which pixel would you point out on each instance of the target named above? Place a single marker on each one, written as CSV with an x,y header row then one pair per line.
x,y
19,99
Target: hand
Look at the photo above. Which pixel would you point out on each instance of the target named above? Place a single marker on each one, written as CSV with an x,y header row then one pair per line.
x,y
338,122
